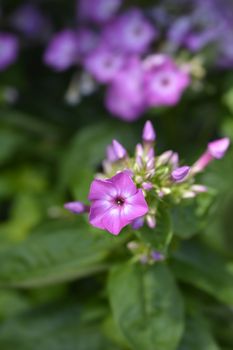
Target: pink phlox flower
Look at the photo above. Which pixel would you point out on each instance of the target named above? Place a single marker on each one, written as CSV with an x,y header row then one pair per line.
x,y
164,81
97,11
125,94
62,50
115,203
130,32
103,63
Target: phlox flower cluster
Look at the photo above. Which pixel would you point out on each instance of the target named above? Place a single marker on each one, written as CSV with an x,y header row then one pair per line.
x,y
130,189
114,47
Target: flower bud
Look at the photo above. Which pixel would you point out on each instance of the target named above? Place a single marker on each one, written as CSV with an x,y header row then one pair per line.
x,y
77,207
119,150
148,134
179,174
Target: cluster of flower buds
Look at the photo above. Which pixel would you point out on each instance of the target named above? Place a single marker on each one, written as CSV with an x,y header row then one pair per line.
x,y
115,48
130,189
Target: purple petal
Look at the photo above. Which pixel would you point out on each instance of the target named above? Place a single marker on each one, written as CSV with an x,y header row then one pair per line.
x,y
148,134
219,147
124,184
102,189
139,205
112,221
179,174
97,211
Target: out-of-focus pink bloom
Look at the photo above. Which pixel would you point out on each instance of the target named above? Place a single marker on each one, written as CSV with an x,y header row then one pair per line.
x,y
97,11
215,150
87,40
148,133
130,32
165,82
104,64
180,174
125,94
62,50
115,203
9,49
77,207
31,21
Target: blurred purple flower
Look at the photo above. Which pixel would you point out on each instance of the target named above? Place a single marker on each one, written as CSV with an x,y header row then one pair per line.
x,y
103,63
9,49
97,11
115,203
164,82
125,95
62,51
130,32
87,40
29,20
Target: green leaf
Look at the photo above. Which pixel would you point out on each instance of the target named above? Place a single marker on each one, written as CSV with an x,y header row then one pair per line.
x,y
64,253
147,306
188,218
56,327
197,335
86,153
196,264
160,237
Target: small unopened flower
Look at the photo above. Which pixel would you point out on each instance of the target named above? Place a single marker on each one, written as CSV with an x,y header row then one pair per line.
x,y
148,134
215,150
9,48
156,256
115,203
119,150
77,207
179,174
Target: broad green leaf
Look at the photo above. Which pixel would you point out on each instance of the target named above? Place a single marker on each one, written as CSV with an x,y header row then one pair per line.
x,y
65,253
160,237
55,327
147,306
196,264
197,336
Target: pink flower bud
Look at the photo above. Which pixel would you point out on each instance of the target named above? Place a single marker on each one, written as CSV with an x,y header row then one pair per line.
x,y
137,223
150,220
157,256
119,150
148,134
179,174
77,207
215,150
219,147
147,186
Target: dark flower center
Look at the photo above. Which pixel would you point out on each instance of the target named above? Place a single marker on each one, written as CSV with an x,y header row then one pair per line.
x,y
119,201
